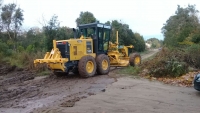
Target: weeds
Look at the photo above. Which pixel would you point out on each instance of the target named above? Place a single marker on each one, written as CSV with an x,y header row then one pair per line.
x,y
24,60
130,70
169,62
192,56
173,62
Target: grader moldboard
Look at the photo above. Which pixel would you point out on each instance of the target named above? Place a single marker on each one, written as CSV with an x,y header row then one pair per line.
x,y
92,52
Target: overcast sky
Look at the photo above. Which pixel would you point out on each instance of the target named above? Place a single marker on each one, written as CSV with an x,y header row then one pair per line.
x,y
143,16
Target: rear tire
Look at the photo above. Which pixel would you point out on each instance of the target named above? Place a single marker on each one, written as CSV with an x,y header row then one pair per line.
x,y
87,66
135,59
103,64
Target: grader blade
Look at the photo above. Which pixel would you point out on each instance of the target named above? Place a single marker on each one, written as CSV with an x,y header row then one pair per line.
x,y
122,63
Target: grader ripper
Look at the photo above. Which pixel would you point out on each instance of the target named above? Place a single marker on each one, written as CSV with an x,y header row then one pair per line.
x,y
92,52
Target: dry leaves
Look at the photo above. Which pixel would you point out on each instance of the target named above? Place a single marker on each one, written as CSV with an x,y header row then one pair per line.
x,y
185,80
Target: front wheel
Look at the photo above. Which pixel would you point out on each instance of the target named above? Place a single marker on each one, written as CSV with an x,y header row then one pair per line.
x,y
135,59
87,66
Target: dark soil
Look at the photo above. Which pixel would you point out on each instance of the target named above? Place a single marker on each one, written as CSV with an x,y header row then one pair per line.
x,y
23,90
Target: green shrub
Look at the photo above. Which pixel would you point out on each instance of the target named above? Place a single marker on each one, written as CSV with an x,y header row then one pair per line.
x,y
9,52
1,56
4,49
176,68
170,68
25,59
20,48
168,62
30,49
192,55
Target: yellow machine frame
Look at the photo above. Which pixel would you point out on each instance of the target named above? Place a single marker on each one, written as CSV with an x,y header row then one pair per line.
x,y
83,54
118,55
54,59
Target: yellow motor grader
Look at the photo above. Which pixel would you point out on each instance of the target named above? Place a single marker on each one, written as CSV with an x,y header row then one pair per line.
x,y
91,53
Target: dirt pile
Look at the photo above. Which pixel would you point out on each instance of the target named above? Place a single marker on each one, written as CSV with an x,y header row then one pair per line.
x,y
4,69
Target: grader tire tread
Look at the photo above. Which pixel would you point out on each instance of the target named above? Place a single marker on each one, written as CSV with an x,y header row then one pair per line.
x,y
82,66
99,60
132,59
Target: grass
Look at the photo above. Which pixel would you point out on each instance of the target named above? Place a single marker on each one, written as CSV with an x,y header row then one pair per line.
x,y
134,71
22,59
25,60
14,61
130,70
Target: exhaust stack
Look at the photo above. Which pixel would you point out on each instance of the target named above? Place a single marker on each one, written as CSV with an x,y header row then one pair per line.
x,y
74,30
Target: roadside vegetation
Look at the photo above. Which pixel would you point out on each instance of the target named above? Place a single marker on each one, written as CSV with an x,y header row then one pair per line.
x,y
130,70
181,45
178,60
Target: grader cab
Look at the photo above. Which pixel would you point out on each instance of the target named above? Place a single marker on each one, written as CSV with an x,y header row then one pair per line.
x,y
89,54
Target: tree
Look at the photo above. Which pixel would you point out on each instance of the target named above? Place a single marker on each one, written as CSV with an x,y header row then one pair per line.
x,y
180,26
126,36
155,43
51,31
1,25
85,18
64,33
108,23
139,44
12,18
54,31
34,38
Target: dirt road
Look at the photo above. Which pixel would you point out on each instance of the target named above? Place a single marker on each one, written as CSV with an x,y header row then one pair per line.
x,y
22,92
129,95
26,96
151,53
